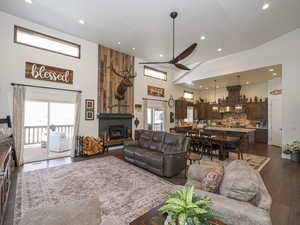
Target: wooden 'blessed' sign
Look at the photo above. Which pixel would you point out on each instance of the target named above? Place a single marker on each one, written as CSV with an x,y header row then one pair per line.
x,y
48,73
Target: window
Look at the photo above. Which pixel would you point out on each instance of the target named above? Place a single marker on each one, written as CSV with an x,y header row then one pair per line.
x,y
188,95
42,41
155,73
190,115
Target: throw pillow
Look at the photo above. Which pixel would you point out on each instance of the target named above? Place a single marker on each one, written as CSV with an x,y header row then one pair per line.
x,y
211,182
240,182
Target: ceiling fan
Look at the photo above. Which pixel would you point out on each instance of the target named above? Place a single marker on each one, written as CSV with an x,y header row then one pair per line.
x,y
183,55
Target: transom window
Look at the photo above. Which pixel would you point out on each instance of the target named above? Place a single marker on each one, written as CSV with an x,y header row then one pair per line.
x,y
42,41
155,73
188,95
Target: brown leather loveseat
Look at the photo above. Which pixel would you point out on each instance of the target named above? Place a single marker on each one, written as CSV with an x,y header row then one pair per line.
x,y
159,152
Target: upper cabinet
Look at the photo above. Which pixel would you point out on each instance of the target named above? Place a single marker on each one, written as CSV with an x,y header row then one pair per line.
x,y
257,111
213,114
181,109
201,111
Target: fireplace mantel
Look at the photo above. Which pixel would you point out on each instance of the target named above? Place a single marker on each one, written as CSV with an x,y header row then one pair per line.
x,y
115,116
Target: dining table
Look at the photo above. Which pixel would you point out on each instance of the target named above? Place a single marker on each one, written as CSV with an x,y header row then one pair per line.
x,y
224,141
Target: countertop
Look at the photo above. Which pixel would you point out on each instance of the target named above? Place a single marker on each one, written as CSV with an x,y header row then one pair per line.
x,y
240,130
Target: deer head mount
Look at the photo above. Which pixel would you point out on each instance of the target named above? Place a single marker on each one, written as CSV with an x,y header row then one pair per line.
x,y
124,83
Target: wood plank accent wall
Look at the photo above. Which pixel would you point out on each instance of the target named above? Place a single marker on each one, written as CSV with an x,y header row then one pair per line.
x,y
108,81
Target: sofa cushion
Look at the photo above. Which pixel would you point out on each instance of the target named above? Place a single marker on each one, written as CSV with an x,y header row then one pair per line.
x,y
173,143
157,141
240,182
154,159
237,212
130,150
211,182
82,212
145,139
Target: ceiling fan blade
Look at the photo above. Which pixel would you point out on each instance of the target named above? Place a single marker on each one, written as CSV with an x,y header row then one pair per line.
x,y
185,53
181,66
154,62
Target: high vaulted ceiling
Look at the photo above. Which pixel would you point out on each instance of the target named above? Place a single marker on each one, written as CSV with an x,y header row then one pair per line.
x,y
233,25
259,75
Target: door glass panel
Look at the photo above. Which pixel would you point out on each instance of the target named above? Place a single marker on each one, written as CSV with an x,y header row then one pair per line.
x,y
61,121
155,119
35,131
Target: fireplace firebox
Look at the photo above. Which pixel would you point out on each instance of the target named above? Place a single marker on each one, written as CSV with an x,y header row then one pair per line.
x,y
116,126
117,132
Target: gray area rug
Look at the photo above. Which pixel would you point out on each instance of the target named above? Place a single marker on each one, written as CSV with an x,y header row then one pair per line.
x,y
125,192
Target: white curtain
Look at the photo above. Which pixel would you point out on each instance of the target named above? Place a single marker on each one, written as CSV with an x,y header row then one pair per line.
x,y
77,120
166,119
19,94
145,107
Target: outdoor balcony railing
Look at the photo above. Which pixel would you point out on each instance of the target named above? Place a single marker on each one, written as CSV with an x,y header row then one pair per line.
x,y
37,134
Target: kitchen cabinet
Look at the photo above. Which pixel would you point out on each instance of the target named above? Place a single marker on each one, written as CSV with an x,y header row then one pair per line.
x,y
261,135
213,115
257,111
181,109
201,111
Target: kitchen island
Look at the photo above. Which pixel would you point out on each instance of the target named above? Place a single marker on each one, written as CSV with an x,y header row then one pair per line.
x,y
234,132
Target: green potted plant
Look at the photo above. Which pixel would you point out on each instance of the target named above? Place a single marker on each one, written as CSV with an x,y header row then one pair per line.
x,y
286,152
295,148
184,207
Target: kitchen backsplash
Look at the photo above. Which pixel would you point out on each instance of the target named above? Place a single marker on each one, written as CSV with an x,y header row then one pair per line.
x,y
235,119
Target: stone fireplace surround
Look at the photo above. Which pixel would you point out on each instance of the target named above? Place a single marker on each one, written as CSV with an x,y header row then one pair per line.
x,y
114,122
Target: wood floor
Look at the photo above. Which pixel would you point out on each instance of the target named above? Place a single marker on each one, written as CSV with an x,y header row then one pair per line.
x,y
282,178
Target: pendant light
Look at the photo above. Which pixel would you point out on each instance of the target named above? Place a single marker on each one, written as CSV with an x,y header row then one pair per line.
x,y
215,107
238,107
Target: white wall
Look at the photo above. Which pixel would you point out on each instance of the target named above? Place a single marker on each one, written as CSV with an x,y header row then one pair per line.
x,y
284,50
260,90
140,90
12,63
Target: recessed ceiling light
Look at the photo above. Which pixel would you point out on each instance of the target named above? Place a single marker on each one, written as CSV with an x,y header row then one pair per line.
x,y
266,6
219,49
203,38
200,86
28,1
133,49
247,82
81,22
271,70
119,43
274,74
161,55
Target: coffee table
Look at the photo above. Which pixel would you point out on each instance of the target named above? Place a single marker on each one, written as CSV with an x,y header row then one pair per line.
x,y
155,217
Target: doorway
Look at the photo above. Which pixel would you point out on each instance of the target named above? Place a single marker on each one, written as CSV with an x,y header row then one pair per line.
x,y
155,119
48,130
275,121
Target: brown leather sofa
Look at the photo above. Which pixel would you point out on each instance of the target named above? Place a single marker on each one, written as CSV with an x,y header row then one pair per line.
x,y
159,152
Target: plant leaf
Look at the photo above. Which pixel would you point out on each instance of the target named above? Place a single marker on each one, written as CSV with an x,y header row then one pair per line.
x,y
171,208
182,219
189,195
176,201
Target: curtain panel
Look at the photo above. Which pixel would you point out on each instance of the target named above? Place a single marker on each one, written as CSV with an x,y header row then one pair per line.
x,y
77,121
19,95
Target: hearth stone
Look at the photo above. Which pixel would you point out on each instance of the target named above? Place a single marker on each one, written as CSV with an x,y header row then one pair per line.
x,y
114,124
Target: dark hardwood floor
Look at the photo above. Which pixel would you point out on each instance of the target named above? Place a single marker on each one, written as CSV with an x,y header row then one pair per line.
x,y
282,178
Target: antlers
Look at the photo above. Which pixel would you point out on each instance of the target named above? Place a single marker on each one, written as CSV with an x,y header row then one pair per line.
x,y
127,72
